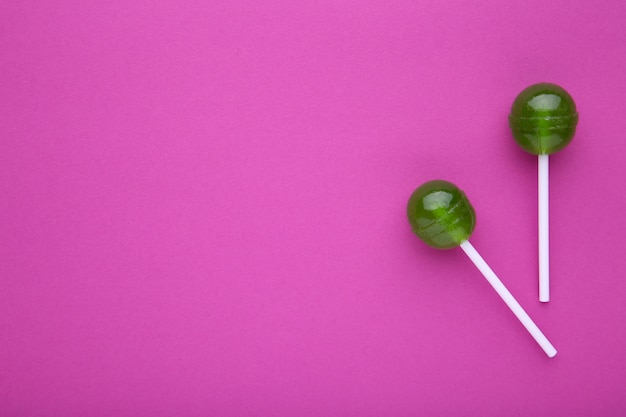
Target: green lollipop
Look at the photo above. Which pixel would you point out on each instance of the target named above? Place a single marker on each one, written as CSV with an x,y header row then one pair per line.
x,y
543,120
441,215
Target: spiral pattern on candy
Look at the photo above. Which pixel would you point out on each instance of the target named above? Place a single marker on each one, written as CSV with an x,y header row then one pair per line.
x,y
440,214
543,119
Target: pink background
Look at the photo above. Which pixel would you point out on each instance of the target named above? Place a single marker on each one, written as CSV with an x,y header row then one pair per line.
x,y
202,209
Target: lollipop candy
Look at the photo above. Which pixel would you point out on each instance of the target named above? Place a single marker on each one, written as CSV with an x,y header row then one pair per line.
x,y
543,120
441,215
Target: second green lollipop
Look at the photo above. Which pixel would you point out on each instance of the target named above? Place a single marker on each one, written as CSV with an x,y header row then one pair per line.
x,y
543,120
441,215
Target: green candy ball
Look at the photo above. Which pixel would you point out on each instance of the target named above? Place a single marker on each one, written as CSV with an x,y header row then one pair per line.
x,y
440,214
543,119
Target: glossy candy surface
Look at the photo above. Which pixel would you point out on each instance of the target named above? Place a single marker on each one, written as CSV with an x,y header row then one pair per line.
x,y
543,119
440,214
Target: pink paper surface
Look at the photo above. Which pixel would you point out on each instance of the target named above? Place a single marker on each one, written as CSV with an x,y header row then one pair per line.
x,y
202,209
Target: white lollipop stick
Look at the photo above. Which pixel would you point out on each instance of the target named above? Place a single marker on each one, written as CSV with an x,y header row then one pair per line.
x,y
544,229
506,296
